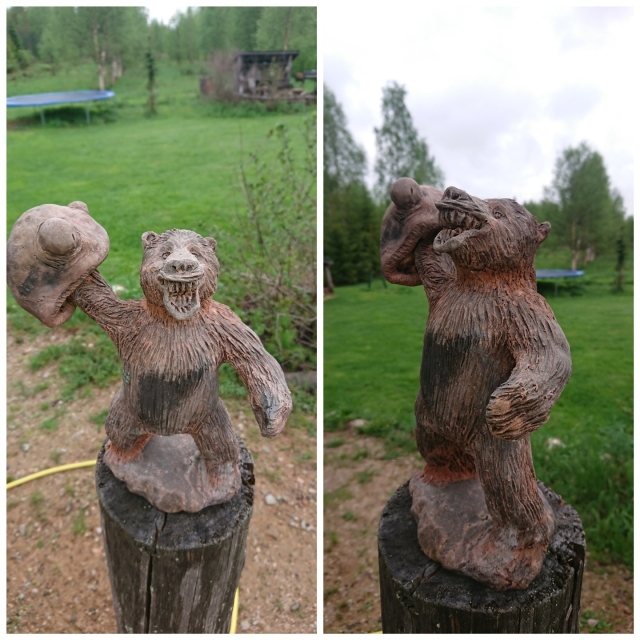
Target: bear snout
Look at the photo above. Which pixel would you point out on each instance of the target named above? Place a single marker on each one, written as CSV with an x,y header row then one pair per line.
x,y
182,263
453,193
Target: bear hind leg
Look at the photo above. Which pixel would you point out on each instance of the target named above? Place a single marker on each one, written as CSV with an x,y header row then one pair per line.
x,y
126,439
219,448
508,479
446,461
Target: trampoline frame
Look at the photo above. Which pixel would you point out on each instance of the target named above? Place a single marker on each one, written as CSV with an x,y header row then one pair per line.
x,y
554,274
87,96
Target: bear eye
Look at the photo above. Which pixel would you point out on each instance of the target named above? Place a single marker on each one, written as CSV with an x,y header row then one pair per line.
x,y
166,254
498,214
197,254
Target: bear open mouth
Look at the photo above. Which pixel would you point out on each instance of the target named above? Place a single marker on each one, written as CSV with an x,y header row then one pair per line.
x,y
181,298
458,227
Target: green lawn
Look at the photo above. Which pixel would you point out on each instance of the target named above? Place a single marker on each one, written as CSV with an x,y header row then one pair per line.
x,y
179,169
373,342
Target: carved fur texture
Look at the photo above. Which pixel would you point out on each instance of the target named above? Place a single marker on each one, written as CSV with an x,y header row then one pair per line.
x,y
494,358
172,343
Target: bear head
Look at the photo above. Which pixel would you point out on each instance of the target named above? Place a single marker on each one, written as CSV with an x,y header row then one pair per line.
x,y
179,269
497,234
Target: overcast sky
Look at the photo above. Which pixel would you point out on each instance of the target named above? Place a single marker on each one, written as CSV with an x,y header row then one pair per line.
x,y
497,93
163,12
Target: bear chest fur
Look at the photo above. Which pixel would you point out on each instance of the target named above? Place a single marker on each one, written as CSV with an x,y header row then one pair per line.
x,y
169,373
465,357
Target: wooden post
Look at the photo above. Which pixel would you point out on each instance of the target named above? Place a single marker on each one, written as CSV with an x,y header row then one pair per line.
x,y
419,596
173,572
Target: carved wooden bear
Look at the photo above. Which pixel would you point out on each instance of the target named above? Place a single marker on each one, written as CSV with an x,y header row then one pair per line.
x,y
494,362
171,342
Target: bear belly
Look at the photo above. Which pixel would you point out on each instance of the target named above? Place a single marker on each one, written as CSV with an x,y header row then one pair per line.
x,y
168,403
457,377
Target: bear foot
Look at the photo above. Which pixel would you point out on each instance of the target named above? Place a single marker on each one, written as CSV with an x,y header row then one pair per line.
x,y
456,530
171,474
116,455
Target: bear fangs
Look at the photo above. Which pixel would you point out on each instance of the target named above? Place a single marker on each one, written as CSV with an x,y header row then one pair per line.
x,y
181,298
459,226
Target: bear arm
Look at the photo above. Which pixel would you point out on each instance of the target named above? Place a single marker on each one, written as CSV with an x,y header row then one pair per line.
x,y
399,236
436,271
259,371
524,402
97,299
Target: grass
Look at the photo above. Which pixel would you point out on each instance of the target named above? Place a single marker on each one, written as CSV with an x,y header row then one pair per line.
x,y
179,169
79,523
50,424
89,358
373,341
136,174
332,498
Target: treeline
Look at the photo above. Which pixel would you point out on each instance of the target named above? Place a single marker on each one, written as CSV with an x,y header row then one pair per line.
x,y
586,213
199,33
116,38
352,213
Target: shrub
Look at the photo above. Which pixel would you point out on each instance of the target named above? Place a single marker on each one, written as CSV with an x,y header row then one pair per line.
x,y
271,281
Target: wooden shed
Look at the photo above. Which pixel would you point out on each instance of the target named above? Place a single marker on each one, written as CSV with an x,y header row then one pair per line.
x,y
260,73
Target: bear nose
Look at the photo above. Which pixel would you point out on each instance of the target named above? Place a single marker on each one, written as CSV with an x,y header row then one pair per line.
x,y
181,265
453,193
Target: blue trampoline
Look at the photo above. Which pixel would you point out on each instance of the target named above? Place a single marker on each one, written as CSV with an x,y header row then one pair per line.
x,y
554,274
42,100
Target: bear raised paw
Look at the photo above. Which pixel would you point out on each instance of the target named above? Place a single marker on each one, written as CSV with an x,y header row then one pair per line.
x,y
494,362
171,343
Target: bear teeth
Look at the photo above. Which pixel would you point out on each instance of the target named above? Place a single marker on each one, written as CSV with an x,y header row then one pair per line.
x,y
180,287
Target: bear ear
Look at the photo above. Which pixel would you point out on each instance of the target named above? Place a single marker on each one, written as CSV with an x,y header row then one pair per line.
x,y
148,238
543,231
76,204
212,243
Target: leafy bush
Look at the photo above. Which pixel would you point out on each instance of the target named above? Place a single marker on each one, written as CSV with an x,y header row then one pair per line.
x,y
271,278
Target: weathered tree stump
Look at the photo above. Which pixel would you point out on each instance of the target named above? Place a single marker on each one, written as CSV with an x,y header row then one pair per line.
x,y
173,572
419,596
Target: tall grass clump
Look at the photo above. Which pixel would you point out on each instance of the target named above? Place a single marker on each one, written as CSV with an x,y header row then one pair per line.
x,y
271,280
592,469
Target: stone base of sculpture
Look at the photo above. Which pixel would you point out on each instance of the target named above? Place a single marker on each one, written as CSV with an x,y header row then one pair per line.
x,y
170,474
456,530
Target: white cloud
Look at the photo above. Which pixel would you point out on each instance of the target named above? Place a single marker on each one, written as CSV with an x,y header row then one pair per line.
x,y
163,12
497,93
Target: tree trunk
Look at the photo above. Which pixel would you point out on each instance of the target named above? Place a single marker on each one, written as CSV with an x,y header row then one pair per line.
x,y
100,56
575,256
173,572
589,255
419,596
285,45
116,69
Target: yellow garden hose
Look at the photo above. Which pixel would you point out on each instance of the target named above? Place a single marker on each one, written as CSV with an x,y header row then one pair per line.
x,y
91,463
47,472
234,613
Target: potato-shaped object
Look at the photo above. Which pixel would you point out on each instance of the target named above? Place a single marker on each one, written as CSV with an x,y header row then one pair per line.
x,y
51,249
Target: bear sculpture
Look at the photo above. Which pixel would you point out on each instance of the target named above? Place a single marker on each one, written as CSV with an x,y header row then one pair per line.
x,y
494,362
171,342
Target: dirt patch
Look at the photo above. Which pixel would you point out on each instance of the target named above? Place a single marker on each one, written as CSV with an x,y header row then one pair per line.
x,y
57,579
357,484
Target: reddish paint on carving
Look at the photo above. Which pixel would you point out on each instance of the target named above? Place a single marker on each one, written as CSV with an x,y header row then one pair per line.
x,y
494,363
171,342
